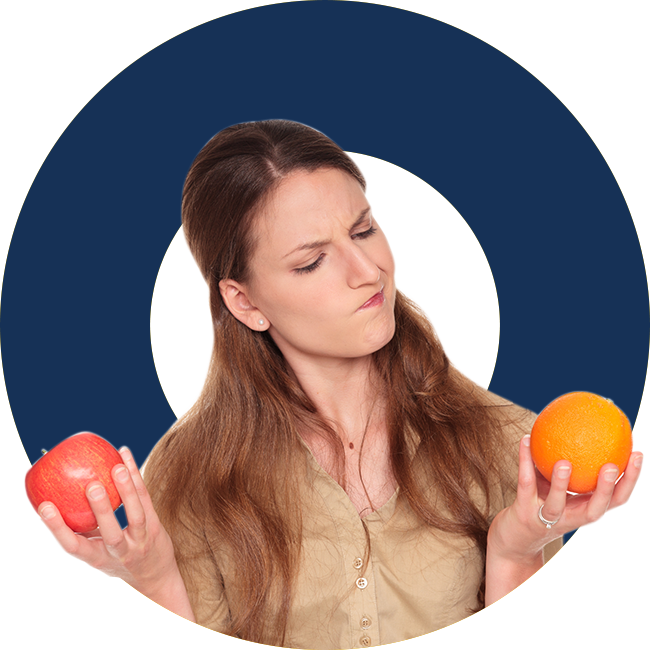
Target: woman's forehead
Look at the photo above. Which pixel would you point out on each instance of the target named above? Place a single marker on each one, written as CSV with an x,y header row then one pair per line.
x,y
309,204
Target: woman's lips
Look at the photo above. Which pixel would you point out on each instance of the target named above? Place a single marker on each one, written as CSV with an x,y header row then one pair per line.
x,y
375,301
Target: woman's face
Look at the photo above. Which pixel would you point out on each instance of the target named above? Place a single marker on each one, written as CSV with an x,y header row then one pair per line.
x,y
322,275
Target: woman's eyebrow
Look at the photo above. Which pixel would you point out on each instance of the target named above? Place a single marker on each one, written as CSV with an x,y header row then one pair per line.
x,y
322,242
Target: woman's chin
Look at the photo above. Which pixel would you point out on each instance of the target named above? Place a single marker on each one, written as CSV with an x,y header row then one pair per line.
x,y
377,340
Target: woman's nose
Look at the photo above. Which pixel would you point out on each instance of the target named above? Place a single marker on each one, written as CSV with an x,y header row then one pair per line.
x,y
361,269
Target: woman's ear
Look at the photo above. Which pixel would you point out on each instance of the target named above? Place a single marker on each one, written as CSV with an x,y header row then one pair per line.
x,y
235,297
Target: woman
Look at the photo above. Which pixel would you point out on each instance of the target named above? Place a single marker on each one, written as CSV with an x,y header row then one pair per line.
x,y
338,483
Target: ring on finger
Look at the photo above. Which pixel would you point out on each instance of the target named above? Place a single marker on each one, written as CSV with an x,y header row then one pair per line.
x,y
546,522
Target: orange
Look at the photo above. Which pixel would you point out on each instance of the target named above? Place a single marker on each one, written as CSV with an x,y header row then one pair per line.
x,y
585,429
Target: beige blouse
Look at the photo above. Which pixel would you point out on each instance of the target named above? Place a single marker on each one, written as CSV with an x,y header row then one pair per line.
x,y
415,581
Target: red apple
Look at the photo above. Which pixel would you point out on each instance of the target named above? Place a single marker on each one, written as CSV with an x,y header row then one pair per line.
x,y
62,474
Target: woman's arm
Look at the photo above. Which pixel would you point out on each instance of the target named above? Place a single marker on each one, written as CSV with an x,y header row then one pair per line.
x,y
503,574
517,536
173,598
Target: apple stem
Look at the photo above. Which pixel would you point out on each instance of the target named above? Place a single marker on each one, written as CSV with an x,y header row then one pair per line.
x,y
43,451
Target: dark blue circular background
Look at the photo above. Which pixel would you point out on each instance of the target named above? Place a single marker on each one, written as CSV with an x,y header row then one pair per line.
x,y
384,82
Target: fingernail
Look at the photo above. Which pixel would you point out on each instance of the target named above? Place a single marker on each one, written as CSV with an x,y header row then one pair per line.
x,y
564,471
121,474
47,512
526,440
611,475
96,492
638,461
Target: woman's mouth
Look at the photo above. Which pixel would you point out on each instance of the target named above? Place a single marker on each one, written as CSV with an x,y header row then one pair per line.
x,y
375,301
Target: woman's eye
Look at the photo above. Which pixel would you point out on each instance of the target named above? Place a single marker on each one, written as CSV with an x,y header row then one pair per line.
x,y
366,233
312,267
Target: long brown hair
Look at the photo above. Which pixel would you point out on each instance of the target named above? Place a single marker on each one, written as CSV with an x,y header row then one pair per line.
x,y
222,477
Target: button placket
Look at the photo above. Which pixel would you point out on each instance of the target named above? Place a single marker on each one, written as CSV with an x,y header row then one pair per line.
x,y
350,536
367,622
359,573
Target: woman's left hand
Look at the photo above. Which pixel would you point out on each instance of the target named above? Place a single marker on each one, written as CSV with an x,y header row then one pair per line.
x,y
517,535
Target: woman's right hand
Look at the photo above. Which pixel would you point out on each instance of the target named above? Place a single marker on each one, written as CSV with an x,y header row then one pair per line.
x,y
142,554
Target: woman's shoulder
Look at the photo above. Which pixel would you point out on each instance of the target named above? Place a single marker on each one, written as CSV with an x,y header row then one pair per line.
x,y
515,422
511,416
173,463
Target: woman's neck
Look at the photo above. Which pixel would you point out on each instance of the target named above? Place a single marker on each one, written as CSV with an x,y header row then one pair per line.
x,y
343,391
347,394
